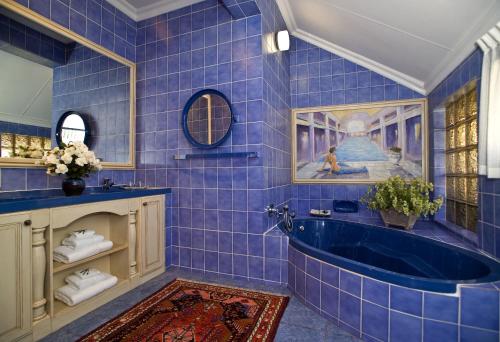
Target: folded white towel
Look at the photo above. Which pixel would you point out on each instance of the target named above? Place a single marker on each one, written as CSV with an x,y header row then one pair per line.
x,y
77,242
83,233
87,273
81,284
71,296
68,255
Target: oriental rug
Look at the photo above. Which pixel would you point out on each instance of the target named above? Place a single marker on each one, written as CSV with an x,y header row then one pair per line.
x,y
192,311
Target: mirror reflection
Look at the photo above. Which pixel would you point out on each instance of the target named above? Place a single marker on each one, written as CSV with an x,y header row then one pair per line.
x,y
45,75
209,119
72,127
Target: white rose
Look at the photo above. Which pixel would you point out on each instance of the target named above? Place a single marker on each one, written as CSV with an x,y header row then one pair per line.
x,y
52,159
81,161
61,169
67,158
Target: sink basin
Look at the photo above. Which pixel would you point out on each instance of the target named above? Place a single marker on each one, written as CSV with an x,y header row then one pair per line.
x,y
133,187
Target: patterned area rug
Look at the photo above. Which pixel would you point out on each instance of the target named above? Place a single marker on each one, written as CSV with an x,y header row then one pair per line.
x,y
189,311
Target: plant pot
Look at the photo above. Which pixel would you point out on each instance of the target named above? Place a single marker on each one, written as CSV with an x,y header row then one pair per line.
x,y
73,186
394,157
393,218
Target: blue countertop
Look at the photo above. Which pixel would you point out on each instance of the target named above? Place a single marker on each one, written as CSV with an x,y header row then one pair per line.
x,y
40,199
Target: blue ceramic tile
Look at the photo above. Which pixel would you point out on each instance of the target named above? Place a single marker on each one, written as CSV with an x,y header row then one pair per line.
x,y
406,300
272,270
376,291
350,310
468,334
405,327
330,274
350,283
313,267
313,291
479,308
438,331
440,307
330,300
375,321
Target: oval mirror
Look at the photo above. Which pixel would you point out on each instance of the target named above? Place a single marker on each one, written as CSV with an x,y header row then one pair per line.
x,y
207,119
72,127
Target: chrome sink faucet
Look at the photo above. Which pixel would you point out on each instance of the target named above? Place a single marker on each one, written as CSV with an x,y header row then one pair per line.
x,y
107,184
285,213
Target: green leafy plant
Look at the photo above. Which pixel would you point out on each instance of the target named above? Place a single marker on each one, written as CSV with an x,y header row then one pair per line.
x,y
406,197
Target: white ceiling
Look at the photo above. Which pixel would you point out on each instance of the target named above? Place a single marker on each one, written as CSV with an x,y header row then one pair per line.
x,y
25,91
143,9
416,43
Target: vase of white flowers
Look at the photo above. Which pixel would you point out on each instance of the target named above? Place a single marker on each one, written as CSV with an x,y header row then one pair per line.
x,y
73,160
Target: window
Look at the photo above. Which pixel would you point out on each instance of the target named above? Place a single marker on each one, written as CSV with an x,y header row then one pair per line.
x,y
461,160
10,142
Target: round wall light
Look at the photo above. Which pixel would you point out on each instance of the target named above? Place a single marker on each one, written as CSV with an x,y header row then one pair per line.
x,y
283,40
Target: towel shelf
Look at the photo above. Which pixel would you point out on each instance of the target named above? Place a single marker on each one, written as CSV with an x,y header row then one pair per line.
x,y
60,266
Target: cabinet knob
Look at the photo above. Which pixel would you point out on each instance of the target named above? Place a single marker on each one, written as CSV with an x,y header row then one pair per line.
x,y
27,223
145,204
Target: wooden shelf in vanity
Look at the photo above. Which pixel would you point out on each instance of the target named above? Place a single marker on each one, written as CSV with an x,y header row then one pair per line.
x,y
60,266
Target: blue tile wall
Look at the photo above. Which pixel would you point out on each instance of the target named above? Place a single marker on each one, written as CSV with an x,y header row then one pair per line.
x,y
378,311
96,20
28,43
17,128
97,87
488,227
217,215
321,78
241,8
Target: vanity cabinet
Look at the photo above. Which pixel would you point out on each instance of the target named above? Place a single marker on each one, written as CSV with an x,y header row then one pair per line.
x,y
152,234
15,280
29,276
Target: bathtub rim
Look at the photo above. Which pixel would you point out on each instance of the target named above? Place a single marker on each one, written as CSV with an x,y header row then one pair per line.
x,y
394,278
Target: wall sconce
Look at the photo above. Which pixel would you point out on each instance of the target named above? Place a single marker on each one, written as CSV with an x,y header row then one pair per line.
x,y
283,40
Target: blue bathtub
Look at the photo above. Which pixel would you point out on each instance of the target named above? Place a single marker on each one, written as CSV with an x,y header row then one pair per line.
x,y
392,256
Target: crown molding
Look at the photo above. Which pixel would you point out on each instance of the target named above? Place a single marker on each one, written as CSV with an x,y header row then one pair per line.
x,y
287,14
397,76
464,47
152,10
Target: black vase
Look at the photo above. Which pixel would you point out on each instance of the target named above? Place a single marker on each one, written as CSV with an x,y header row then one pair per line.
x,y
73,186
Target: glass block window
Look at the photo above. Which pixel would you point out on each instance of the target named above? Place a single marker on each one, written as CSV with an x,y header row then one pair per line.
x,y
461,161
10,142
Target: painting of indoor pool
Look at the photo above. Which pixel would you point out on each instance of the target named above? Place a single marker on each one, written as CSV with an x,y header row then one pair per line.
x,y
359,143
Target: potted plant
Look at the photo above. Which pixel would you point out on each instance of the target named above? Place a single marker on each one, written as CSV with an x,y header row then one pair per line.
x,y
74,160
402,202
395,154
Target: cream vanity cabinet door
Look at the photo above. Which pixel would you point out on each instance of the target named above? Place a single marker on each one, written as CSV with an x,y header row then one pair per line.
x,y
151,234
15,276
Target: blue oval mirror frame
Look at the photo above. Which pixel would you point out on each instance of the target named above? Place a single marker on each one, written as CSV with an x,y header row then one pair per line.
x,y
185,115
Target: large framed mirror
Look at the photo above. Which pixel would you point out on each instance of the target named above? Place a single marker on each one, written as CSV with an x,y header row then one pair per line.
x,y
57,86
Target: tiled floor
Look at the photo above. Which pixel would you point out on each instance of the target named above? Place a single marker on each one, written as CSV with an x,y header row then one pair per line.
x,y
298,323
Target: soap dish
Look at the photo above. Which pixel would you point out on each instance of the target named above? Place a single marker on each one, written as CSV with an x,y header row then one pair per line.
x,y
320,213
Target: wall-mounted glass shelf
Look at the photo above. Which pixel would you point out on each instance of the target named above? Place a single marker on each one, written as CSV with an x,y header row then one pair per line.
x,y
216,155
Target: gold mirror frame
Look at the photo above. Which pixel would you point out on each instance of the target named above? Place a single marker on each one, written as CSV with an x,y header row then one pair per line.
x,y
53,26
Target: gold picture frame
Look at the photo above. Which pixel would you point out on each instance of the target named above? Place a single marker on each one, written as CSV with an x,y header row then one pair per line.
x,y
25,12
365,143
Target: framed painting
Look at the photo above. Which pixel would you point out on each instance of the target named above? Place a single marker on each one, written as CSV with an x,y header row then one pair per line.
x,y
361,143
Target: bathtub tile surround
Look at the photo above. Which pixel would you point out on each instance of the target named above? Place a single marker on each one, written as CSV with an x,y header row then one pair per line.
x,y
382,311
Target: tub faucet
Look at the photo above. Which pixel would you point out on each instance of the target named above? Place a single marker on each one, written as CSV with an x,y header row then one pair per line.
x,y
285,213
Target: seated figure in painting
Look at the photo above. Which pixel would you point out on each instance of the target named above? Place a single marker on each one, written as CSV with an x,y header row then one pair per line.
x,y
330,158
338,168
